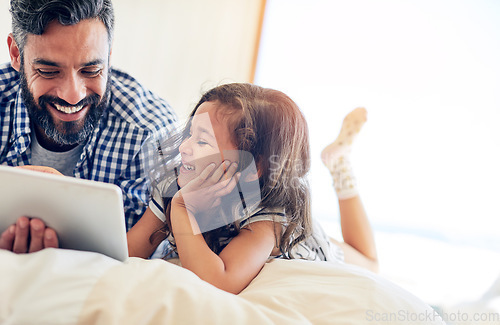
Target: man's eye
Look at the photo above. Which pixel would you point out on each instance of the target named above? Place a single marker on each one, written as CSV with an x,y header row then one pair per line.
x,y
92,72
47,73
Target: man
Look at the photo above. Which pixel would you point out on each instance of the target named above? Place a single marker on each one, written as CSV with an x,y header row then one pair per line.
x,y
63,106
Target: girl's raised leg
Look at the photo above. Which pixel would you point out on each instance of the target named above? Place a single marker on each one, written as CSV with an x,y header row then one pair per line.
x,y
359,243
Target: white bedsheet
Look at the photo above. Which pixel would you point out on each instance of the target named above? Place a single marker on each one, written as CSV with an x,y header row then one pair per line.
x,y
68,287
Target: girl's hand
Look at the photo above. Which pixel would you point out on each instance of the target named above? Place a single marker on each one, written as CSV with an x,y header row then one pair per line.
x,y
206,190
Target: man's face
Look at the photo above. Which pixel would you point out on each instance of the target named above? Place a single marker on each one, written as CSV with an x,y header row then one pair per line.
x,y
65,80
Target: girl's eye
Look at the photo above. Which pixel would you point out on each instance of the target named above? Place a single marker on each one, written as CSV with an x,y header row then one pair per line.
x,y
202,143
47,73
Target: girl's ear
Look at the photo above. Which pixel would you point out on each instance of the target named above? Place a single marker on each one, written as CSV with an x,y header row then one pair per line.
x,y
250,177
14,52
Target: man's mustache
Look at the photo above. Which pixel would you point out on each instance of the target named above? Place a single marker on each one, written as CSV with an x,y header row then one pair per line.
x,y
48,99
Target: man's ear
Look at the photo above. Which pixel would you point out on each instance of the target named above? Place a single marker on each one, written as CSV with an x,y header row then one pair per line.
x,y
110,54
14,52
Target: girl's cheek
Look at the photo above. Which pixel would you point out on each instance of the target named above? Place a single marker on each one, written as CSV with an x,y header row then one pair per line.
x,y
203,162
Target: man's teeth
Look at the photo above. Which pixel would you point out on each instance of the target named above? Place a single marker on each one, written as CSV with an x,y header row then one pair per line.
x,y
68,110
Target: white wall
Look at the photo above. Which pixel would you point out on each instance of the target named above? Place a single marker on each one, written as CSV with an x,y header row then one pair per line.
x,y
182,48
179,48
428,73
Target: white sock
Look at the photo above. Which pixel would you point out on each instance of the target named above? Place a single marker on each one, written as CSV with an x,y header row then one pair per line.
x,y
336,155
344,182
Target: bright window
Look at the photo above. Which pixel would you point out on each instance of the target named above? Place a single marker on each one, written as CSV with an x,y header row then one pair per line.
x,y
427,160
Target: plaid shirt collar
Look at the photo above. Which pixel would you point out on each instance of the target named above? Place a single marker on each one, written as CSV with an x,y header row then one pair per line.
x,y
21,126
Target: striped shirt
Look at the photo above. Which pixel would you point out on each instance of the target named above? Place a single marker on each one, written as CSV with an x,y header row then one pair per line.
x,y
316,247
114,153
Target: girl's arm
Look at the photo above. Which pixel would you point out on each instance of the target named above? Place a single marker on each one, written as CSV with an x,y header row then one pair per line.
x,y
138,237
238,263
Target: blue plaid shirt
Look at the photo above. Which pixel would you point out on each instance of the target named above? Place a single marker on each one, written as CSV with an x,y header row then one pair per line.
x,y
115,151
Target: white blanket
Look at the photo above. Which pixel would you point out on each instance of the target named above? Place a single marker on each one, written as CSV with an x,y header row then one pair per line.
x,y
57,286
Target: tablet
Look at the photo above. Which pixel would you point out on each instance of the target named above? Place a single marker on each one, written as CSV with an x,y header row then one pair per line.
x,y
87,215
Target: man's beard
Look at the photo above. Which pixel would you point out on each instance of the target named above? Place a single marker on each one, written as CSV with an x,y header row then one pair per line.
x,y
64,133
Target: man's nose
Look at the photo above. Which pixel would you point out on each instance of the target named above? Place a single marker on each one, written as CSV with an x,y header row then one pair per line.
x,y
72,89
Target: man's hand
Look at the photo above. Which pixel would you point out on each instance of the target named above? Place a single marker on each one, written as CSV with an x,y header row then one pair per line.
x,y
28,236
43,169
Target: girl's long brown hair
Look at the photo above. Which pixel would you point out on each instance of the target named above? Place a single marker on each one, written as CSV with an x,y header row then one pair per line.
x,y
270,126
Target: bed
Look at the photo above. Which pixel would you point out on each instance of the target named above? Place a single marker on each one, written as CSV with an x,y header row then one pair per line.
x,y
56,286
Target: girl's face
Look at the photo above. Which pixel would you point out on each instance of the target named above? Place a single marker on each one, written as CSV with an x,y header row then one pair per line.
x,y
209,142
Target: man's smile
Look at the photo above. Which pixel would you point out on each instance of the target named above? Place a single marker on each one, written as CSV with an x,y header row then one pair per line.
x,y
68,109
67,113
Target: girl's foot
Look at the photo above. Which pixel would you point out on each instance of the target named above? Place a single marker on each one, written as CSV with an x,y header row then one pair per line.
x,y
342,145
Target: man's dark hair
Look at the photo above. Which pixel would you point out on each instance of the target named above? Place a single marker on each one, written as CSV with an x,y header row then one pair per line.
x,y
33,16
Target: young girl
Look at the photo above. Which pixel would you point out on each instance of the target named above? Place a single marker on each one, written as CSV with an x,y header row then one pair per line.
x,y
239,135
